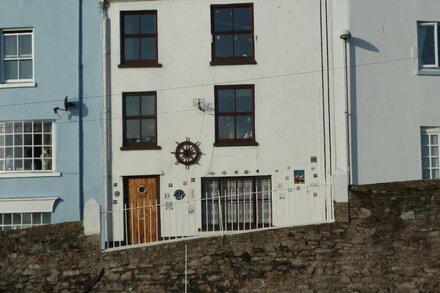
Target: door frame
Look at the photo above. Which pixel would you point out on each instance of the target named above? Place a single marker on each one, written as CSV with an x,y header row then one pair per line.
x,y
125,189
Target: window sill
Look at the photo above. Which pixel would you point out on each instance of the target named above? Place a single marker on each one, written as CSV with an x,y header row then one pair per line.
x,y
140,148
428,71
236,144
140,65
29,174
17,85
232,62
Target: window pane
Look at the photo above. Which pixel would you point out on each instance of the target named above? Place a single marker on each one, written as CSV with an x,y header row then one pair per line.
x,y
148,130
38,127
38,139
148,48
2,140
36,218
25,45
133,130
425,163
131,24
18,152
47,127
243,98
2,127
131,49
427,45
223,46
434,139
28,139
18,127
148,23
434,162
435,174
243,18
425,139
225,100
226,127
25,69
9,140
16,218
18,165
425,151
223,19
2,165
132,106
148,107
28,127
27,218
18,139
47,139
27,164
10,46
7,219
46,218
434,151
243,45
244,126
11,70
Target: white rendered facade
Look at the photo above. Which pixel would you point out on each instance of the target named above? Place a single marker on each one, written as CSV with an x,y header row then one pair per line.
x,y
298,102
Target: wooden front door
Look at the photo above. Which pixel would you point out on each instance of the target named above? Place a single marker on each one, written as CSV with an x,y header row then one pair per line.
x,y
142,209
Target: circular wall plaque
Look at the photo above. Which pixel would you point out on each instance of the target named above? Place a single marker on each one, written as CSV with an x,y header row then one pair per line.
x,y
179,194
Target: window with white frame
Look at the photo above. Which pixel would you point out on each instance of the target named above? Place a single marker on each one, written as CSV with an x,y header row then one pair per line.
x,y
26,146
430,152
14,221
428,42
17,56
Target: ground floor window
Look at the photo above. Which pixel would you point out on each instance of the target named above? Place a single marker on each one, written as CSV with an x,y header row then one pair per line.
x,y
26,146
13,221
430,152
236,203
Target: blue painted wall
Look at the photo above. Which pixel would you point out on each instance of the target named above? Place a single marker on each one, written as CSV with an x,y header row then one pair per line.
x,y
57,53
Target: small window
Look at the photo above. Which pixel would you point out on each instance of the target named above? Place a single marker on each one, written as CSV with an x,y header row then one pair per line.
x,y
26,146
140,120
234,115
232,28
428,43
139,39
430,137
14,221
17,56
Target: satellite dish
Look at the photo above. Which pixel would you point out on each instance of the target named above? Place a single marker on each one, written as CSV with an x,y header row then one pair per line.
x,y
67,106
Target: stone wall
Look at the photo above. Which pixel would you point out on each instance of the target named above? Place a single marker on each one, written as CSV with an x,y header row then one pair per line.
x,y
392,243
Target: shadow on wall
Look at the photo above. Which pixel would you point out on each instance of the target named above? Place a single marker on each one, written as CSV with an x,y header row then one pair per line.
x,y
354,45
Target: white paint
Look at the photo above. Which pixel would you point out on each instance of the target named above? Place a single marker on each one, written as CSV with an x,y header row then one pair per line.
x,y
27,205
288,101
92,222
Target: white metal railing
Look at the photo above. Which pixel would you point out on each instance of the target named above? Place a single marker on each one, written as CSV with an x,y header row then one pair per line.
x,y
232,211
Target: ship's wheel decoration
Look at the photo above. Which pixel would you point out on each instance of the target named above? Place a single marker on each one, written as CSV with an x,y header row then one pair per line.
x,y
187,153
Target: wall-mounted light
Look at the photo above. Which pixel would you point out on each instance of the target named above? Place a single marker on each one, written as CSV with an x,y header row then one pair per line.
x,y
67,106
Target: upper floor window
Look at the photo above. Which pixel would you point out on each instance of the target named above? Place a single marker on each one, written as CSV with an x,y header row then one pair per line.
x,y
140,120
232,28
429,49
17,56
234,115
139,39
26,146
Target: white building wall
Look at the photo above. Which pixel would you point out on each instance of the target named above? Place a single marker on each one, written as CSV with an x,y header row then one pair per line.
x,y
288,97
390,101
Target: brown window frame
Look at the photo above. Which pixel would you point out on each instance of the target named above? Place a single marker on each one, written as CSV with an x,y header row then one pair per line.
x,y
234,141
232,60
138,145
138,62
223,197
